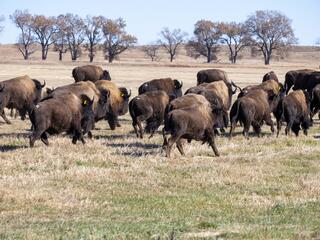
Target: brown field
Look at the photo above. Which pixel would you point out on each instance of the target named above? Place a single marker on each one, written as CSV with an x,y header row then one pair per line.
x,y
120,187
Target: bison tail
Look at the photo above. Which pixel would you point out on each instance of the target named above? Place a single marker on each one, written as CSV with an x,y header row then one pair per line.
x,y
234,113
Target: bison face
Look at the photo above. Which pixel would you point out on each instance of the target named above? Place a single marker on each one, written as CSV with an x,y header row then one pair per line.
x,y
88,116
106,75
103,105
124,105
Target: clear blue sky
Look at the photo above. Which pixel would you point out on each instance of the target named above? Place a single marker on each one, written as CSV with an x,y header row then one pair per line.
x,y
146,18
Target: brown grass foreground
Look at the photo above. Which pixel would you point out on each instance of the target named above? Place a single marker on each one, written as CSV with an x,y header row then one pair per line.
x,y
120,187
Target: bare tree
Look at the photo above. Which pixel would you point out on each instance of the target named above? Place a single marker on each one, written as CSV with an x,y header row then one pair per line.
x,y
172,40
1,20
151,50
44,29
93,32
270,30
23,20
60,37
74,28
236,36
116,38
205,40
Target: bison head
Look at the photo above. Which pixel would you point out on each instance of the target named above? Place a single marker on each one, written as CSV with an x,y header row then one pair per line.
x,y
124,106
103,105
178,88
106,75
87,120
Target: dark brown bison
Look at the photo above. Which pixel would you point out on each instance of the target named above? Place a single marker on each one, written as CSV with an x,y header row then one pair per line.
x,y
90,73
118,101
63,113
212,75
294,109
89,89
171,87
20,93
306,81
291,77
270,76
149,107
252,110
195,121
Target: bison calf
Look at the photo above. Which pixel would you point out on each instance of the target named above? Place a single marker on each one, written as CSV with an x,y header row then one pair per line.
x,y
149,107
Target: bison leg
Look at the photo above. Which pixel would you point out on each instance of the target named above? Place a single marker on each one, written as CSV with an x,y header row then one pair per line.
x,y
296,128
22,114
246,128
232,127
269,122
134,125
34,136
3,115
44,138
257,128
90,136
180,147
210,137
288,127
165,140
172,140
279,124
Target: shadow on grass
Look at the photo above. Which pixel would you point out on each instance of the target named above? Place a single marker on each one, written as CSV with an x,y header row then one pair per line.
x,y
134,145
15,135
9,148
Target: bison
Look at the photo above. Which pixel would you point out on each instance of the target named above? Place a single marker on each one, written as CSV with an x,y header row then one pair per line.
x,y
90,73
291,77
211,75
270,76
90,90
63,113
271,85
118,102
215,91
294,109
149,107
20,93
307,81
253,109
194,121
171,87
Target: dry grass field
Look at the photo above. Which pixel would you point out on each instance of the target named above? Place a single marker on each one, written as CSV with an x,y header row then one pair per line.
x,y
120,187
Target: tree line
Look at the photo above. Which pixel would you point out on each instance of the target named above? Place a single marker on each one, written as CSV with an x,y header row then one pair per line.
x,y
264,31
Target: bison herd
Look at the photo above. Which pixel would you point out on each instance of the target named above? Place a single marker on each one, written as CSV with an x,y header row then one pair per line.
x,y
203,112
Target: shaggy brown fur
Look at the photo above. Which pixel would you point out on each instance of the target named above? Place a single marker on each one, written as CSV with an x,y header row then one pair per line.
x,y
149,107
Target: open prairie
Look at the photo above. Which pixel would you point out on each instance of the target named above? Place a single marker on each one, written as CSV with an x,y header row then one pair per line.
x,y
120,187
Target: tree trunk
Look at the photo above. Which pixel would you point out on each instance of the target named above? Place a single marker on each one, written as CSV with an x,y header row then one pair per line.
x,y
171,57
209,55
43,55
91,58
110,58
60,55
267,59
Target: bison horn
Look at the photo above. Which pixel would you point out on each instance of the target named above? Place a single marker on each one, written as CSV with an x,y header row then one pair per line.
x,y
44,83
181,84
129,95
236,86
